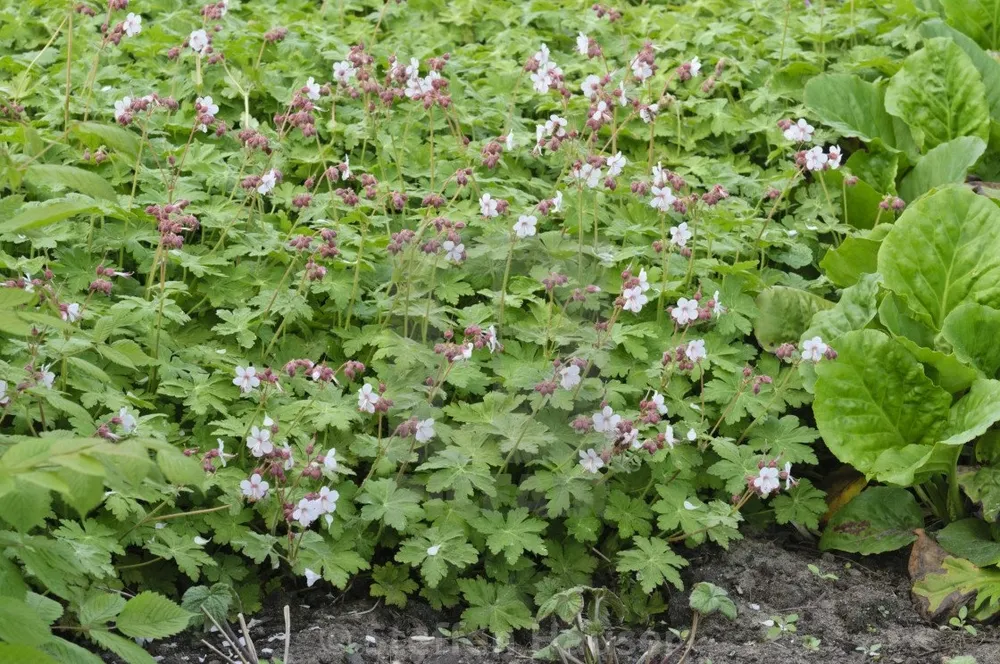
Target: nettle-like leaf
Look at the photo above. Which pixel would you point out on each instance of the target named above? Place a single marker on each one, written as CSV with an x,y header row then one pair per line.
x,y
437,549
942,252
878,519
940,95
392,582
653,563
804,504
385,501
498,608
707,598
875,400
512,534
149,615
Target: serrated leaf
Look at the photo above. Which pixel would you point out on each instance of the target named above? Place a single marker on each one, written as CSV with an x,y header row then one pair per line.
x,y
653,563
707,598
150,615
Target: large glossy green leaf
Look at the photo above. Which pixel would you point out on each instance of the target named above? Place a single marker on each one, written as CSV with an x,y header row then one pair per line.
x,y
879,519
973,330
947,163
979,19
852,106
988,67
940,95
48,212
944,369
854,257
855,309
974,413
875,399
71,177
970,539
942,252
784,314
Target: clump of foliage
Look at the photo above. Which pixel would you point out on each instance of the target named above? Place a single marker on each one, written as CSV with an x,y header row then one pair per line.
x,y
485,303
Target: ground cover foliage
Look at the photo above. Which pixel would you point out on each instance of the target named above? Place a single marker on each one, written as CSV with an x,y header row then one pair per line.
x,y
501,305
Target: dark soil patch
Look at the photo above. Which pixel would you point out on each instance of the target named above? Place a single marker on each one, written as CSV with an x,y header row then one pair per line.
x,y
867,605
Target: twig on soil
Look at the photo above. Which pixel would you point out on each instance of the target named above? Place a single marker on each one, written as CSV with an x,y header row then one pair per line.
x,y
288,634
691,636
361,613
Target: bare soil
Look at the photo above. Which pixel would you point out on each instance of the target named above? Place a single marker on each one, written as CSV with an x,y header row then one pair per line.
x,y
867,605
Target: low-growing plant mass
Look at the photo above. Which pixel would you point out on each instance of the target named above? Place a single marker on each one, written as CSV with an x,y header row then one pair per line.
x,y
502,306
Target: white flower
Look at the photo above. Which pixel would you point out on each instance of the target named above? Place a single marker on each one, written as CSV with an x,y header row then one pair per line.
x,y
132,24
569,376
267,182
557,202
433,550
590,86
789,480
657,400
201,541
259,442
413,69
695,350
367,398
542,78
717,308
643,280
767,481
453,252
542,56
343,71
813,349
466,352
4,398
198,41
622,98
816,159
246,379
606,421
661,175
641,70
128,422
833,157
508,141
591,461
582,44
488,206
222,451
311,577
616,164
601,113
631,438
290,460
663,198
688,505
425,430
648,113
634,299
556,126
122,107
306,511
692,435
268,422
330,460
254,488
588,174
679,235
491,339
328,500
695,66
346,173
525,225
800,132
685,311
312,88
669,438
72,313
48,378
